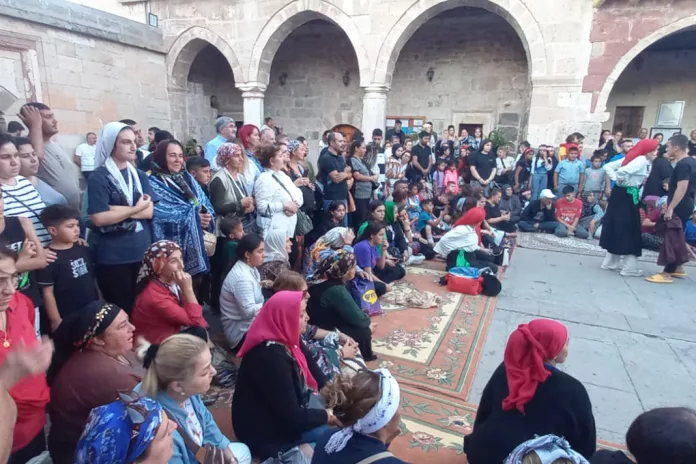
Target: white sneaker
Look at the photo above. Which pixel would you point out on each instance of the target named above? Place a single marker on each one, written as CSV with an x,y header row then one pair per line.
x,y
409,261
418,259
632,273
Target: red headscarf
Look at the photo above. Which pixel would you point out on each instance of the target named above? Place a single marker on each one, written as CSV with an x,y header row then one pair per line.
x,y
642,148
279,321
527,349
245,133
473,217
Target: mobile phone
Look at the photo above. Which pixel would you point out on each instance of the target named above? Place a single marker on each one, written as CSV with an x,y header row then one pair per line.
x,y
204,210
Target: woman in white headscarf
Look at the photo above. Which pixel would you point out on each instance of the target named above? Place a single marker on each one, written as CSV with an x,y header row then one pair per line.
x,y
120,207
277,260
367,405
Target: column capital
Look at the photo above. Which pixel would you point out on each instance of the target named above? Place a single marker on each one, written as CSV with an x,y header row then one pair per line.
x,y
252,89
376,90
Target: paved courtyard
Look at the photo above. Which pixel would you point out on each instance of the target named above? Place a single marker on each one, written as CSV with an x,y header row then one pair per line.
x,y
632,344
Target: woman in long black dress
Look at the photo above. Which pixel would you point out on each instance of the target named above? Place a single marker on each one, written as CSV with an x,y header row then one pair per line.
x,y
621,235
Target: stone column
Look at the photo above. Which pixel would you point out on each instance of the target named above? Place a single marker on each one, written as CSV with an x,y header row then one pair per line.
x,y
252,95
374,109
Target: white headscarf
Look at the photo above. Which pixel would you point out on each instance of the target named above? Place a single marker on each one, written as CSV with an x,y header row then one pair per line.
x,y
275,246
377,418
105,145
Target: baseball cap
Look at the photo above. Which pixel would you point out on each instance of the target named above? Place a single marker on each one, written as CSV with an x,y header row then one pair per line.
x,y
547,194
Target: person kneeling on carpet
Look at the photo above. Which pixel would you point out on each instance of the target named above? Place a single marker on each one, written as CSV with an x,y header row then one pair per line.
x,y
527,396
367,405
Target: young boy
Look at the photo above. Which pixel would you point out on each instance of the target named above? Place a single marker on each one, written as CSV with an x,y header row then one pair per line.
x,y
68,283
569,172
568,212
427,223
592,214
594,180
199,168
233,230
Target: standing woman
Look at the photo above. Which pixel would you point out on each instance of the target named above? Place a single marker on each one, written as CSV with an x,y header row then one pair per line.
x,y
364,181
250,136
541,167
660,173
621,233
183,211
477,139
120,205
277,198
301,175
230,197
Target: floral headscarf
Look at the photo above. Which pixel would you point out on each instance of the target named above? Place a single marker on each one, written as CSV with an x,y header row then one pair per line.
x,y
334,266
153,261
325,246
225,152
120,432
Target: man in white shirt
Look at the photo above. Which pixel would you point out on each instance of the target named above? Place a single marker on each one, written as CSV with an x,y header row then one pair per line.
x,y
84,154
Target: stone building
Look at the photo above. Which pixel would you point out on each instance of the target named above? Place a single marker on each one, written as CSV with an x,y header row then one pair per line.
x,y
534,69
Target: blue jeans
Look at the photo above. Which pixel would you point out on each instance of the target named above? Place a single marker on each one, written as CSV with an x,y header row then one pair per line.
x,y
580,231
545,226
345,203
539,183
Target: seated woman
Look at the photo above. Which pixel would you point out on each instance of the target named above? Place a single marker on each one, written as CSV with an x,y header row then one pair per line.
x,y
545,449
512,204
277,260
335,239
166,300
183,211
92,363
333,218
329,348
241,297
179,370
114,435
378,267
528,396
402,242
275,406
367,405
331,305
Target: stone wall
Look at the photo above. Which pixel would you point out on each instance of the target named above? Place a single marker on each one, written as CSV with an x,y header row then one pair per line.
x,y
87,80
663,76
314,98
480,67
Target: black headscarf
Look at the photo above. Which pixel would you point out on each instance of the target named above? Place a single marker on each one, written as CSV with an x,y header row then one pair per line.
x,y
78,330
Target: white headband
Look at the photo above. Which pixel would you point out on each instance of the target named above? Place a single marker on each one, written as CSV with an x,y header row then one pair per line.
x,y
377,418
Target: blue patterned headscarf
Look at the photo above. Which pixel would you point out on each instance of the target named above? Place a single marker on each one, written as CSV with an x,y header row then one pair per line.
x,y
119,432
548,448
292,145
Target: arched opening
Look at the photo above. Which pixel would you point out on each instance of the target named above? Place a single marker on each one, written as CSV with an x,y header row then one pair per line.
x,y
465,66
314,82
656,90
348,131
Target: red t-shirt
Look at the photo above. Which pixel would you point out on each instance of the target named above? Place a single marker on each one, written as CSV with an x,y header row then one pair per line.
x,y
568,211
31,394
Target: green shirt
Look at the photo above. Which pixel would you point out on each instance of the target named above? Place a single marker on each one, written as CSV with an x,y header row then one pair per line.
x,y
338,299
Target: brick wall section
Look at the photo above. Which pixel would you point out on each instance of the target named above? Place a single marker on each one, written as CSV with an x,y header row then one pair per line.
x,y
618,27
88,80
315,57
480,67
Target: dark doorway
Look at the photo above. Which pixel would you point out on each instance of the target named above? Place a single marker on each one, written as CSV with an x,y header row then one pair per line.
x,y
628,120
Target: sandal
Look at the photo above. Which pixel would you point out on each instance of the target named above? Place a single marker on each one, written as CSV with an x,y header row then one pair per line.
x,y
658,279
680,275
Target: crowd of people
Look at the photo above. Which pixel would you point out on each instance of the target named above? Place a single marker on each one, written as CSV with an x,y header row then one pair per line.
x,y
117,275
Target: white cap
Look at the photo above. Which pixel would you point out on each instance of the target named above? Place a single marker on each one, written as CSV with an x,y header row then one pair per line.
x,y
547,194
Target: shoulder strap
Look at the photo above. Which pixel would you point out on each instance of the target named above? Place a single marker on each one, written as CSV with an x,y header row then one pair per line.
x,y
191,445
376,457
281,184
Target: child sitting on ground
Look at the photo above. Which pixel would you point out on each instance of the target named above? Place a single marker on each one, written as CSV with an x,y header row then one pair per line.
x,y
568,212
428,225
592,214
67,283
233,231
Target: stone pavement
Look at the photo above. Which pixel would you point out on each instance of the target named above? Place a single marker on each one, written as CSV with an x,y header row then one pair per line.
x,y
632,343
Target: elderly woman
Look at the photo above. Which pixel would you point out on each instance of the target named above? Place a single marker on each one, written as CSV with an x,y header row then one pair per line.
x,y
231,198
250,136
130,430
273,412
92,363
120,205
241,297
179,371
166,300
367,405
277,260
183,211
331,306
31,394
277,198
335,239
528,396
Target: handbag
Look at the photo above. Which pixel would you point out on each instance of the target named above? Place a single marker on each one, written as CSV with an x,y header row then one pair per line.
x,y
461,284
206,454
209,242
364,294
304,223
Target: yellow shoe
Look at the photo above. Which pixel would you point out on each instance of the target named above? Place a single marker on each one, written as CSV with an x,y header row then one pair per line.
x,y
658,279
680,275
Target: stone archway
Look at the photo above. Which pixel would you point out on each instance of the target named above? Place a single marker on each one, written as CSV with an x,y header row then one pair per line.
x,y
289,18
514,12
603,97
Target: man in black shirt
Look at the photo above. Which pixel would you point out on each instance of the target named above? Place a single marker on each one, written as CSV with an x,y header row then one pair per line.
x,y
332,169
396,131
680,204
497,218
421,158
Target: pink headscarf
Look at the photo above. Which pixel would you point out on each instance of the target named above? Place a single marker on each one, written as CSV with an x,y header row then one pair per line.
x,y
226,151
279,321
